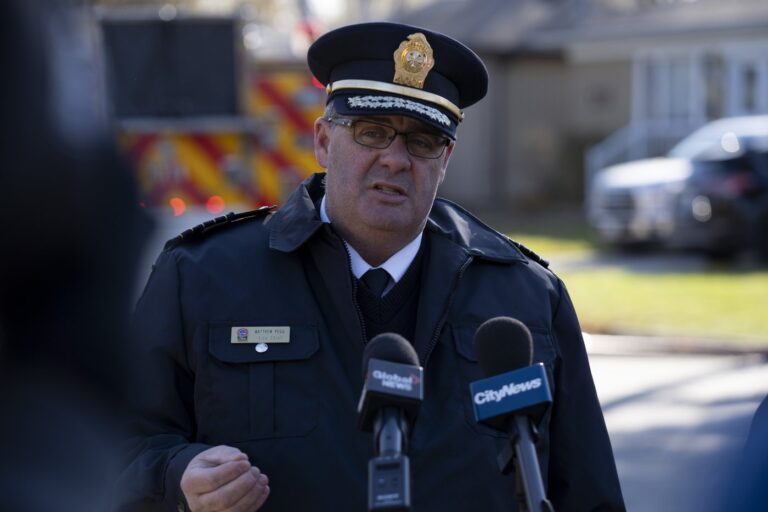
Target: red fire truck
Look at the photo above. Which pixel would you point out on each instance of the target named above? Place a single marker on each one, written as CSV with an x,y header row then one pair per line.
x,y
207,122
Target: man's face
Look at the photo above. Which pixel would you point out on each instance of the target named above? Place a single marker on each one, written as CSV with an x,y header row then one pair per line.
x,y
378,192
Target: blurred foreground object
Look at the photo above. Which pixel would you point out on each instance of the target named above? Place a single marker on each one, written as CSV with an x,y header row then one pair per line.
x,y
747,482
72,233
710,193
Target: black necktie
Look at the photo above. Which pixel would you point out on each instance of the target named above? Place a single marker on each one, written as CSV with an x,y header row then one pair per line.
x,y
376,280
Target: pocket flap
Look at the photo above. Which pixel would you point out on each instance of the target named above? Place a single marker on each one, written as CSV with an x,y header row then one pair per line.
x,y
464,337
302,344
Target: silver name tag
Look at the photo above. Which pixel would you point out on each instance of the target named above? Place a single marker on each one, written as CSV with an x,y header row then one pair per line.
x,y
274,334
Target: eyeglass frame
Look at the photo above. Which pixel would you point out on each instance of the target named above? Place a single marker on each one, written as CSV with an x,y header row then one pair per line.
x,y
350,123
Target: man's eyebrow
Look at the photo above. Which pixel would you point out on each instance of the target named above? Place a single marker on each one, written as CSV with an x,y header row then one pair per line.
x,y
375,119
418,128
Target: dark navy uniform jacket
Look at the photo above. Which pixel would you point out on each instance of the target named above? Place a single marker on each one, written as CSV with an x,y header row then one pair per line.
x,y
292,408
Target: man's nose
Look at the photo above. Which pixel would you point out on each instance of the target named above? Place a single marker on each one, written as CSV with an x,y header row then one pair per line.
x,y
396,156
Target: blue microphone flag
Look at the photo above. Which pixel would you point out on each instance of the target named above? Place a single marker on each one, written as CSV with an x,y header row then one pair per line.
x,y
522,391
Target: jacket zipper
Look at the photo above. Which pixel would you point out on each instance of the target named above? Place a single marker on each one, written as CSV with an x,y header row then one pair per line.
x,y
354,294
441,322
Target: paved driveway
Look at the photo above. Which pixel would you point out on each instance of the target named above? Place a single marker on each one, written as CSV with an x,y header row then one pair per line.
x,y
677,423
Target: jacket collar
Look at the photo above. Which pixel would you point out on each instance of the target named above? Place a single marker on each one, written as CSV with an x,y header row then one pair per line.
x,y
464,229
298,219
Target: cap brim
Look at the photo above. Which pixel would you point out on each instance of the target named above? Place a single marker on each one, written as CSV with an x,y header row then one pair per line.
x,y
373,103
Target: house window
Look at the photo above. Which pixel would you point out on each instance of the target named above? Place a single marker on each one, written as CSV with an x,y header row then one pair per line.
x,y
749,85
747,91
714,78
671,85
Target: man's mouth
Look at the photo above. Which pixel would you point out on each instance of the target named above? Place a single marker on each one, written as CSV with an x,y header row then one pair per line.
x,y
389,189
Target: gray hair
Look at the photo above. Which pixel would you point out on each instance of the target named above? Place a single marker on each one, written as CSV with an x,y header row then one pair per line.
x,y
330,111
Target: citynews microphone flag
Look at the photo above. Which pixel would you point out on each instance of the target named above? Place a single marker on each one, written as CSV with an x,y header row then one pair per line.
x,y
522,391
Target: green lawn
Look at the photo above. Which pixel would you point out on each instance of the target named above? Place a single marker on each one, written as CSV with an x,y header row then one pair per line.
x,y
716,303
712,304
549,246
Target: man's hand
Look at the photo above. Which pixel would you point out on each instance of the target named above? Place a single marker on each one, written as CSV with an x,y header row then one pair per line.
x,y
222,479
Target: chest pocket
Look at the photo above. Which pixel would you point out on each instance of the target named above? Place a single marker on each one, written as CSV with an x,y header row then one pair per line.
x,y
470,371
262,394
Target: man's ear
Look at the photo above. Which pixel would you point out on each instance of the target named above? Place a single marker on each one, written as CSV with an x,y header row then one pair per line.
x,y
322,141
446,157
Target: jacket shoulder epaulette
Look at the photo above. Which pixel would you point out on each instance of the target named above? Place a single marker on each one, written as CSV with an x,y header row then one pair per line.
x,y
217,224
530,254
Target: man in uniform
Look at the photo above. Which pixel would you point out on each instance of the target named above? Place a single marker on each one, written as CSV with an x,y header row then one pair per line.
x,y
252,328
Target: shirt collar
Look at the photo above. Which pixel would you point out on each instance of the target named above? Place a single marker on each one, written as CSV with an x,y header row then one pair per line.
x,y
396,265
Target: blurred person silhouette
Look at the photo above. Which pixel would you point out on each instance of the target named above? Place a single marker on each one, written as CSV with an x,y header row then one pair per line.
x,y
72,234
746,487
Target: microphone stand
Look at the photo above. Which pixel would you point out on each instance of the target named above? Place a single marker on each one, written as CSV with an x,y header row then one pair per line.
x,y
389,474
520,454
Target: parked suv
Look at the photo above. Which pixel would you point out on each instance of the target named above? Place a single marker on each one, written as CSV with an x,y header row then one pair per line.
x,y
709,193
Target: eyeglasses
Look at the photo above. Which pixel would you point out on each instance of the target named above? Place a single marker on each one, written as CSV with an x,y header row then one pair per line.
x,y
380,136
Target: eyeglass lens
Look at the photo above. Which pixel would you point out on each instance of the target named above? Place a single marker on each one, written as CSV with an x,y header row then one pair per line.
x,y
380,136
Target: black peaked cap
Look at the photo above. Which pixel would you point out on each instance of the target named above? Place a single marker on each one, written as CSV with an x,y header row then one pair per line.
x,y
358,65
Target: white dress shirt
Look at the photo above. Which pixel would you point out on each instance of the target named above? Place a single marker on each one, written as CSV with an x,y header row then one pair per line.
x,y
395,266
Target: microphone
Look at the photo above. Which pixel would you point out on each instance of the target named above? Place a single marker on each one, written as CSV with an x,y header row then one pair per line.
x,y
388,406
514,392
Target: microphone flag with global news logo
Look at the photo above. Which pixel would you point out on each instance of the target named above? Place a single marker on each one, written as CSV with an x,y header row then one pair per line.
x,y
390,384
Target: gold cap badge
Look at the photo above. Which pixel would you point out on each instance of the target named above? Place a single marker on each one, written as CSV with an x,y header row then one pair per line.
x,y
413,60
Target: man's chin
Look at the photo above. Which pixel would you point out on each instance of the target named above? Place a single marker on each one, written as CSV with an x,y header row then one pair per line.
x,y
386,218
393,226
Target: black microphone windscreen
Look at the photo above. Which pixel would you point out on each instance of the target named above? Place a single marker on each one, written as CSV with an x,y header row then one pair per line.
x,y
503,344
391,347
